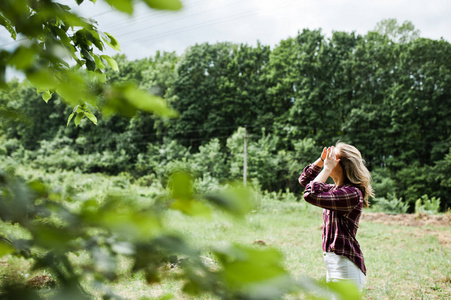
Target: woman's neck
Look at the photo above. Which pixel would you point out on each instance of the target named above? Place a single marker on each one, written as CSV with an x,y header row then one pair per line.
x,y
338,179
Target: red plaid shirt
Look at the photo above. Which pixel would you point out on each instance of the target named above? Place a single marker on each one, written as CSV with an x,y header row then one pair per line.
x,y
342,210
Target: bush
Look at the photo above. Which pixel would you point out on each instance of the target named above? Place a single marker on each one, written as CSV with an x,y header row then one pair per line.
x,y
390,205
206,184
427,206
261,159
382,184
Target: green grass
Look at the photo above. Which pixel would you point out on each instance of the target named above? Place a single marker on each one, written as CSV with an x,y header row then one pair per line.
x,y
402,262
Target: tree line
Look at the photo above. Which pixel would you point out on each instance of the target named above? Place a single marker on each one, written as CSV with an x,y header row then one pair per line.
x,y
391,99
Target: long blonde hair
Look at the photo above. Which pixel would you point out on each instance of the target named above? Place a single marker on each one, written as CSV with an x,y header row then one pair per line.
x,y
354,170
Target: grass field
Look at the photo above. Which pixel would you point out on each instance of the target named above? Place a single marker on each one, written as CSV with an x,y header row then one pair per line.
x,y
403,262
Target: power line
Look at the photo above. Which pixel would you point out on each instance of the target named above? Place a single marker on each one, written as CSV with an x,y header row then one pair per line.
x,y
202,24
151,13
182,18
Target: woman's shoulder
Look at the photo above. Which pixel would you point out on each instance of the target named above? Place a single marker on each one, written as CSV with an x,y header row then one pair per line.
x,y
351,189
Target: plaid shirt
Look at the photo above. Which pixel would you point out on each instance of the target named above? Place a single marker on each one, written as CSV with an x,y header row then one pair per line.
x,y
342,210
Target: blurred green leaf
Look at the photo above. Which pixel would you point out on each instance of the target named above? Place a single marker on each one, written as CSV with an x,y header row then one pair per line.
x,y
111,41
38,187
78,118
181,189
111,62
70,118
99,62
127,99
23,58
101,77
147,102
91,116
51,237
46,96
181,186
122,5
236,199
7,24
344,289
73,88
13,115
5,248
121,216
244,266
42,79
164,4
191,207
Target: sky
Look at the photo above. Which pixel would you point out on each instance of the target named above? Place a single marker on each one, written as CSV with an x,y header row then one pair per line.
x,y
267,21
249,21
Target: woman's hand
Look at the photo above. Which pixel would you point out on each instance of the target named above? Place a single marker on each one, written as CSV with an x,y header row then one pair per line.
x,y
324,154
320,161
331,160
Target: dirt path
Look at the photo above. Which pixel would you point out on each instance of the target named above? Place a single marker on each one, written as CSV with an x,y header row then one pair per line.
x,y
417,220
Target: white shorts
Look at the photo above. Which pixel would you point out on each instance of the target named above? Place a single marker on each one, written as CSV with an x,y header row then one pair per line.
x,y
340,267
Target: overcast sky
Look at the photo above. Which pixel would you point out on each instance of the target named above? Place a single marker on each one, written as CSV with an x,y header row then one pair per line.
x,y
269,21
246,21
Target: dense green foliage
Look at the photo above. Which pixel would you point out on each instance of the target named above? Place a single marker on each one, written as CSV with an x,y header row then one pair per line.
x,y
391,100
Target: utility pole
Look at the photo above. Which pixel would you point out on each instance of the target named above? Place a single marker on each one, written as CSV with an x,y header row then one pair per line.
x,y
245,157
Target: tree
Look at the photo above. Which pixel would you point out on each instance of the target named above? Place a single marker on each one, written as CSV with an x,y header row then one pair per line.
x,y
218,88
403,33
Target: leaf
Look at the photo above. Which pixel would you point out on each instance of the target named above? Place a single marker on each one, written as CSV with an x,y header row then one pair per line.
x,y
70,118
346,289
122,5
244,266
3,84
101,77
181,186
111,62
147,102
111,41
46,96
164,4
23,58
236,199
52,237
93,36
7,24
42,79
191,208
99,62
5,248
78,118
73,87
91,117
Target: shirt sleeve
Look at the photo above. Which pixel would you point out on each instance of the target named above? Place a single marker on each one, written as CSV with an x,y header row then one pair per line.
x,y
344,198
310,172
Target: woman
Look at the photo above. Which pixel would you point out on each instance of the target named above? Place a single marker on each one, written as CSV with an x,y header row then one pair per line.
x,y
342,203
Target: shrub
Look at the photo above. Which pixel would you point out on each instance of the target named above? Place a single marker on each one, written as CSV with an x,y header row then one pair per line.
x,y
206,184
392,204
426,205
382,184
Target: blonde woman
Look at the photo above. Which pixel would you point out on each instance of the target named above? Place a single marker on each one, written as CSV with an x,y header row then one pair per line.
x,y
342,203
